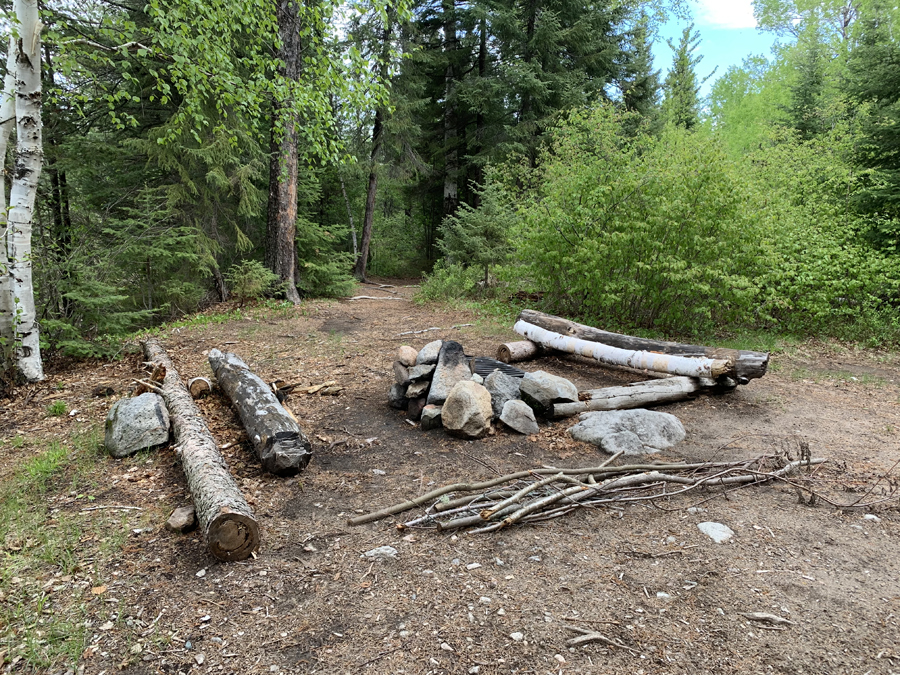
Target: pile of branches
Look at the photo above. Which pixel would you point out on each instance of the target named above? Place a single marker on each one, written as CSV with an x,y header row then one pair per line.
x,y
546,493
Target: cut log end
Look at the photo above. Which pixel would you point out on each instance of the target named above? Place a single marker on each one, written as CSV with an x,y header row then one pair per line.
x,y
199,387
513,352
286,454
232,536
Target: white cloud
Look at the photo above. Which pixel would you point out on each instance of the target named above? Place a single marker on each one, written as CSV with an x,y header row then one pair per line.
x,y
726,13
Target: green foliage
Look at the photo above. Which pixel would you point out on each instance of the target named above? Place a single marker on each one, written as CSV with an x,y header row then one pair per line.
x,y
681,105
449,281
635,231
251,280
57,409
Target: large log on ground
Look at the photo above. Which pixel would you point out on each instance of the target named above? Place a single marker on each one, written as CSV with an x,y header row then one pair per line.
x,y
746,365
280,443
637,395
523,350
664,363
229,528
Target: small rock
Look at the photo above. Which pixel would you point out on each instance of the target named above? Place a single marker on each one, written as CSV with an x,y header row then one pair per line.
x,y
559,658
200,658
477,378
136,648
183,519
381,553
415,407
446,647
107,626
663,596
473,566
517,637
407,356
397,397
633,432
401,373
135,424
718,532
201,573
452,367
501,612
467,410
872,517
695,509
484,600
541,390
428,355
431,417
474,670
519,416
379,472
503,388
417,389
421,373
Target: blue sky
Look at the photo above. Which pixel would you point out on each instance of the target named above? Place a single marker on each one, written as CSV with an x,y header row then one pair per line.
x,y
729,34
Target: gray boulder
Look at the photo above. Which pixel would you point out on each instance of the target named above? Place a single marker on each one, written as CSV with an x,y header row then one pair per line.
x,y
452,367
541,390
431,417
419,373
519,416
407,356
397,397
401,373
503,388
135,424
183,519
428,355
467,410
634,432
417,389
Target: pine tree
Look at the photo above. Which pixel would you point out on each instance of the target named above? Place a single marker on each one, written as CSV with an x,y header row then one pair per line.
x,y
639,82
681,105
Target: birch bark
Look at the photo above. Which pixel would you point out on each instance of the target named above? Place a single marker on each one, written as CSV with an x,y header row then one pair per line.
x,y
29,156
7,123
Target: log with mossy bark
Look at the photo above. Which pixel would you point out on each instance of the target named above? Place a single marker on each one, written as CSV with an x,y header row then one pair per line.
x,y
280,443
229,527
743,365
641,394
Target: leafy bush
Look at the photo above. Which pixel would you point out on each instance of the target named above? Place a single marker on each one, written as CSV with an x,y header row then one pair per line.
x,y
637,231
449,281
251,280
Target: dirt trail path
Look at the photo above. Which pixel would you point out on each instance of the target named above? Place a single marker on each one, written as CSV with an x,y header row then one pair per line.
x,y
644,577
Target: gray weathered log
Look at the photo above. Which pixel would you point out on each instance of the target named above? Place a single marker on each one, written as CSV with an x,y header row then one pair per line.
x,y
229,527
280,443
746,365
637,395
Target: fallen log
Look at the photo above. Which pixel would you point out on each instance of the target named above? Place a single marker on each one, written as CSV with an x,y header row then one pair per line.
x,y
514,352
746,365
229,528
199,387
280,443
637,395
676,365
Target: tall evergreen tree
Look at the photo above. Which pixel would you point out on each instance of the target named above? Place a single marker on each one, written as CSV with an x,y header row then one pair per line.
x,y
639,82
681,105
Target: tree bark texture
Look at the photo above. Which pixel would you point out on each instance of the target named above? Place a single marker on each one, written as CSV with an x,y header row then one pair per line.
x,y
523,350
747,365
637,395
281,229
7,124
29,158
665,363
229,527
280,443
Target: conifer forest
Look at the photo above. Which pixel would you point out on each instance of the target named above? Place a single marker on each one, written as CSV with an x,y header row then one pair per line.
x,y
189,152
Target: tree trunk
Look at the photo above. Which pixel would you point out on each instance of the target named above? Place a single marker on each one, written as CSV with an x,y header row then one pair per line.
x,y
664,363
350,216
746,365
7,124
229,528
281,230
451,150
29,156
280,443
637,395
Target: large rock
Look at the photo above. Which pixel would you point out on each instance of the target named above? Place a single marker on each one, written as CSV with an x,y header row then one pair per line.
x,y
452,367
135,424
401,373
183,519
634,432
419,373
519,416
431,417
467,410
428,355
503,388
541,390
397,397
407,356
417,389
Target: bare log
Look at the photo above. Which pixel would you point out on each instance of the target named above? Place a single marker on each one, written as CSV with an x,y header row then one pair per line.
x,y
229,528
280,443
637,395
676,365
513,352
747,365
199,386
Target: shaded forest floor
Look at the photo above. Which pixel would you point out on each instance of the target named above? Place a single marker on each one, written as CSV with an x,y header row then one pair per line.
x,y
113,591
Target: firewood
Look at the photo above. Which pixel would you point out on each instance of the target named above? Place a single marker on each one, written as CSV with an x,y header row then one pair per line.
x,y
199,387
637,395
229,527
280,443
514,352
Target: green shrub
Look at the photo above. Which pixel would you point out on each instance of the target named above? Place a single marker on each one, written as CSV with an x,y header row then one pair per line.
x,y
57,409
251,280
449,281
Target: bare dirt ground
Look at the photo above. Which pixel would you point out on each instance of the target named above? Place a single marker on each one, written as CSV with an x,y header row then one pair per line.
x,y
155,602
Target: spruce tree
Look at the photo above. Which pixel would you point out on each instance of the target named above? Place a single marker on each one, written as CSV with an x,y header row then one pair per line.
x,y
639,81
681,105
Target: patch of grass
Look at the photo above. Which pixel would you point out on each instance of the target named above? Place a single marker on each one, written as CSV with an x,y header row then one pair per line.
x,y
18,441
57,408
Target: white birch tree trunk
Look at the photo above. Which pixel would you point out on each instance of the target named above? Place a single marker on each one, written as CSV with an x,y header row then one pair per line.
x,y
29,157
7,123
